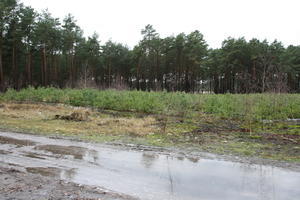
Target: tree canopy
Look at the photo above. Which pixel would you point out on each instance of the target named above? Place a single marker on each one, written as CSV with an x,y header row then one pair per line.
x,y
37,49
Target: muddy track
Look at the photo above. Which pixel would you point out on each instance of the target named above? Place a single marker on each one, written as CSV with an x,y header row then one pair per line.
x,y
36,167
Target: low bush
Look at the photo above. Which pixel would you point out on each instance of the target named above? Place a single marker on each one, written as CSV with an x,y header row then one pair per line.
x,y
238,106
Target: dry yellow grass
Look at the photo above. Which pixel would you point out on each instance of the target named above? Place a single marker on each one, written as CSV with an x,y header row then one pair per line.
x,y
41,118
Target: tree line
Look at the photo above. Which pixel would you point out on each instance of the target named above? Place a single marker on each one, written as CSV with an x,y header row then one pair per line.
x,y
37,49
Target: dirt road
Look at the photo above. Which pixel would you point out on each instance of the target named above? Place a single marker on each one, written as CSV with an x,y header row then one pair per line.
x,y
37,167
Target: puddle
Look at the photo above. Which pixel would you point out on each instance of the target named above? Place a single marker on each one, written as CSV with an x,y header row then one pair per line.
x,y
166,177
150,175
75,151
17,142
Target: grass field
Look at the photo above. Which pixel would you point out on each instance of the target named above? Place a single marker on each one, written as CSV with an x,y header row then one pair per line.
x,y
246,124
239,106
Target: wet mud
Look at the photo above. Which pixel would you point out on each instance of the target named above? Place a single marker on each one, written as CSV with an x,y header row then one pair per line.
x,y
44,171
19,185
76,152
65,169
17,142
34,155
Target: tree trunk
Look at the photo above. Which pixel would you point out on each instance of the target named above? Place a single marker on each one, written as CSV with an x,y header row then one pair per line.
x,y
55,70
72,71
138,75
1,69
70,64
298,83
264,79
156,79
28,69
85,73
179,72
109,74
186,80
43,66
14,68
216,84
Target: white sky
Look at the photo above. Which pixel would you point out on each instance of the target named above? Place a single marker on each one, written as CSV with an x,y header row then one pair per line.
x,y
122,20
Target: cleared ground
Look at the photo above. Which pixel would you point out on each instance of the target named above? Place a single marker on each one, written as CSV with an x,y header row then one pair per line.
x,y
278,140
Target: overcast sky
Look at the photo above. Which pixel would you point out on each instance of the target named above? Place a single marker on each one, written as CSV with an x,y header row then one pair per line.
x,y
122,20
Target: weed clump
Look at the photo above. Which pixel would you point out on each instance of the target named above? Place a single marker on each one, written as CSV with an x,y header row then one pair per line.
x,y
75,116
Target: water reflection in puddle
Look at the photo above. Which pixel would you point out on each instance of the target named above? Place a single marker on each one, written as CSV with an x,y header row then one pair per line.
x,y
150,175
